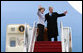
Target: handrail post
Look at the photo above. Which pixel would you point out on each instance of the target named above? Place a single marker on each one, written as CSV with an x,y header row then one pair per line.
x,y
32,43
34,36
62,40
70,40
66,39
25,39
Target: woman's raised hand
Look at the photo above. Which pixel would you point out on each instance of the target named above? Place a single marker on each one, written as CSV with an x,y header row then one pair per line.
x,y
39,6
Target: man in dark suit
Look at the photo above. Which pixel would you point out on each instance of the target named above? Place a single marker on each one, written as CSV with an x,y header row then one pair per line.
x,y
51,19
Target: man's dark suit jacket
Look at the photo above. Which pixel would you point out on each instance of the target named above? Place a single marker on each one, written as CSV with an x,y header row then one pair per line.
x,y
52,23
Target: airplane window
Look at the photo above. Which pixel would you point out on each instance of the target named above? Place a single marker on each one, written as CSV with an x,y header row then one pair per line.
x,y
12,29
13,43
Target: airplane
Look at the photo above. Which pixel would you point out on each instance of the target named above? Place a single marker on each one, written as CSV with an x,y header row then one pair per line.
x,y
22,38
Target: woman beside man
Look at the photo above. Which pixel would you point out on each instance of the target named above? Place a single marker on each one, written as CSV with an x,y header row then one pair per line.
x,y
51,18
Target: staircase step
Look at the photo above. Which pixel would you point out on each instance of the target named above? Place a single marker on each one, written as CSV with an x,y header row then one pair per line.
x,y
47,42
53,46
48,50
48,47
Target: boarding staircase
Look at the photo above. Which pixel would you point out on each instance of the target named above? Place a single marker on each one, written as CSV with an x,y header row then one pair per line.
x,y
65,45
